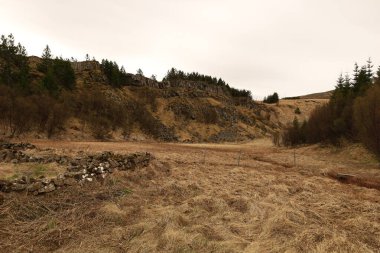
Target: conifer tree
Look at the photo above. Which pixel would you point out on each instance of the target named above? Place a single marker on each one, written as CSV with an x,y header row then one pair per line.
x,y
122,70
340,82
377,78
369,70
140,72
46,53
355,74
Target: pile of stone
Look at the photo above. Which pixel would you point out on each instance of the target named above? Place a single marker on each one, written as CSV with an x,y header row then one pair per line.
x,y
13,152
80,170
16,146
108,161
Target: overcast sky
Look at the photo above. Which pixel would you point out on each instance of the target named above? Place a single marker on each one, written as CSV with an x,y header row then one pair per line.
x,y
293,47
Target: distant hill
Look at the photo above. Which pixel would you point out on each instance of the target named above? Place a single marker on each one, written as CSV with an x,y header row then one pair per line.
x,y
319,95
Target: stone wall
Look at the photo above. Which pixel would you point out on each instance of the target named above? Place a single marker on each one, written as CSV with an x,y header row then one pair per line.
x,y
86,168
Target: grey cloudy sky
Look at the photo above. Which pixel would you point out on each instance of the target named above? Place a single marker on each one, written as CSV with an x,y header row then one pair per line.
x,y
290,46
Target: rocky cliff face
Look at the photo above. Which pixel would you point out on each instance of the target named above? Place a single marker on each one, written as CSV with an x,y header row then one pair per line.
x,y
93,68
85,66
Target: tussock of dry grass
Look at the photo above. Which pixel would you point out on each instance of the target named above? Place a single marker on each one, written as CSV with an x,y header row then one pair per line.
x,y
46,223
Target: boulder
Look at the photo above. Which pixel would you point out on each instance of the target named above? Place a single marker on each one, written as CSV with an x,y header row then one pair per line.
x,y
59,181
4,186
70,181
18,187
47,188
77,175
45,181
34,187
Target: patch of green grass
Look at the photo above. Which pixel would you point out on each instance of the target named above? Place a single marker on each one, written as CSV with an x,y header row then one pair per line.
x,y
39,170
125,192
13,177
51,224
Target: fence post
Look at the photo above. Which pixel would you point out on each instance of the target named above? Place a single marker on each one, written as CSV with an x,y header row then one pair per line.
x,y
204,156
238,163
294,157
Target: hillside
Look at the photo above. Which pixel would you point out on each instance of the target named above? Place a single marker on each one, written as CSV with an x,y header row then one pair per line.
x,y
189,111
319,95
183,111
65,99
171,110
283,113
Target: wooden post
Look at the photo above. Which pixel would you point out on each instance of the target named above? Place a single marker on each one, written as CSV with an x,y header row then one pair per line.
x,y
204,156
238,163
294,157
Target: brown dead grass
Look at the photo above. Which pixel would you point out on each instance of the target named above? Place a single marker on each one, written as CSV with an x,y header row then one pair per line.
x,y
182,203
10,170
284,112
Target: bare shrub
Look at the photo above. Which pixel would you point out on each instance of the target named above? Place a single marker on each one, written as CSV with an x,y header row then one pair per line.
x,y
22,115
100,112
367,118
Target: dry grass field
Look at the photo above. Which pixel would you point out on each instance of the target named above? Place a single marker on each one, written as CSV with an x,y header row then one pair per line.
x,y
197,198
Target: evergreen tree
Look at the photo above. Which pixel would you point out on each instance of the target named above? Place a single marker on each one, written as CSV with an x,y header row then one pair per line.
x,y
14,69
49,83
340,82
140,72
174,75
369,70
122,70
347,82
377,78
116,76
362,79
356,73
46,60
63,73
46,53
271,99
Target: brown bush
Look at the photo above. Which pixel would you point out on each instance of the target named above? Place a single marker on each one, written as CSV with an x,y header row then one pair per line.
x,y
40,112
17,113
102,113
23,115
367,118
